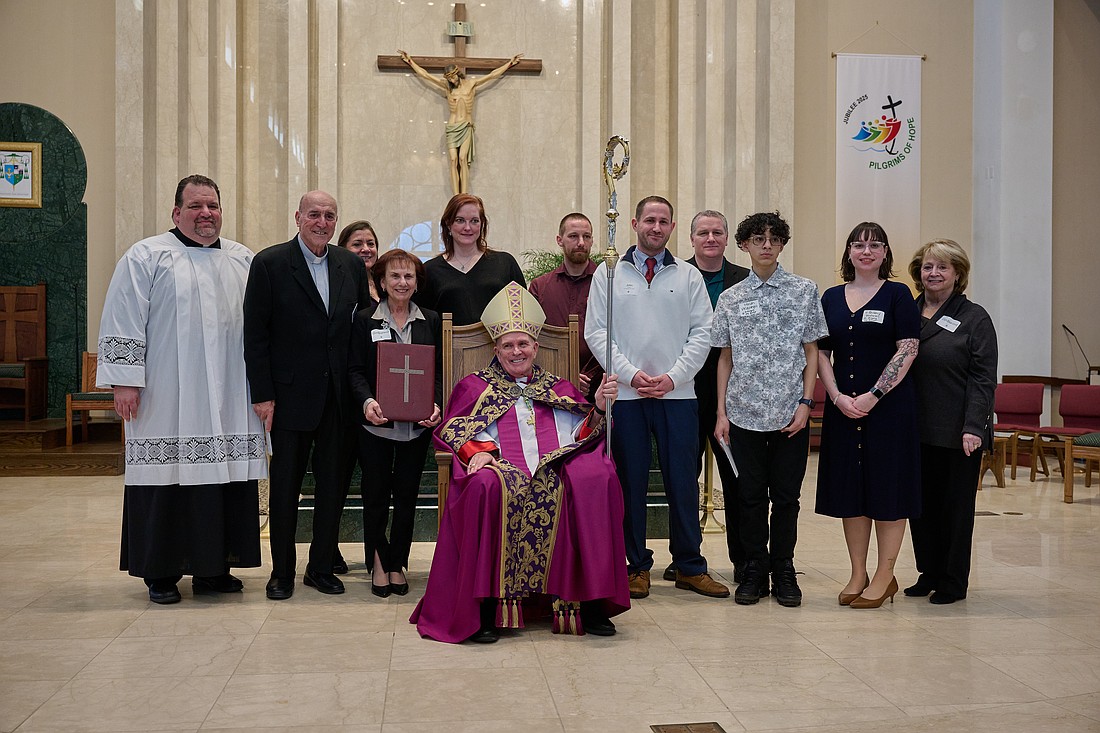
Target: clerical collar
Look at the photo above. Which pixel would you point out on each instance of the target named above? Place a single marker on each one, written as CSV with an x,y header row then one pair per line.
x,y
192,243
311,257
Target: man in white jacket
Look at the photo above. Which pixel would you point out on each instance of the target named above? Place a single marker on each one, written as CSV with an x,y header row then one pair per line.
x,y
660,339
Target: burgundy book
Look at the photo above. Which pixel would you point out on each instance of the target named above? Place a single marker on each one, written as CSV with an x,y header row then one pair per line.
x,y
405,384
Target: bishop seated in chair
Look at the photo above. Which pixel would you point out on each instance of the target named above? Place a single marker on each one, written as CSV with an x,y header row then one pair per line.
x,y
534,512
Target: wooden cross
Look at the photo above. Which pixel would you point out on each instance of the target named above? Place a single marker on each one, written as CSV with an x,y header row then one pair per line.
x,y
460,59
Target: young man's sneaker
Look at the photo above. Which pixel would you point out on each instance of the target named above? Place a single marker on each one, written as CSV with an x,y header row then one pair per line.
x,y
784,586
753,587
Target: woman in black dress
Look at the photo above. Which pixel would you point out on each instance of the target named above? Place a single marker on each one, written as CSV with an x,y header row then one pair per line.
x,y
956,376
391,453
869,468
463,279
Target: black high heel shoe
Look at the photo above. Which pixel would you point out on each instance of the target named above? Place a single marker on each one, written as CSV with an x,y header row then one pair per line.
x,y
400,589
382,591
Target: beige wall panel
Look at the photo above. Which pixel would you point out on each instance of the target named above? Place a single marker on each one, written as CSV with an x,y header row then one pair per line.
x,y
943,30
1076,272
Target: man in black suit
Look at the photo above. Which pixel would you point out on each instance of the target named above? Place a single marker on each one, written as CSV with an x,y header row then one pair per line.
x,y
709,237
298,308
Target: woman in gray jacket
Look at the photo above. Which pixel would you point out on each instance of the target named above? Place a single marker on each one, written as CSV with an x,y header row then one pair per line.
x,y
956,375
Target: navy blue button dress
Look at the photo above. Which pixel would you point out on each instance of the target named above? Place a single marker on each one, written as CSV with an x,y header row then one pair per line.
x,y
870,467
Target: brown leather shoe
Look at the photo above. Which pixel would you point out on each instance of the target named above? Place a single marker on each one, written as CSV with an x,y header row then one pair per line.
x,y
639,584
702,584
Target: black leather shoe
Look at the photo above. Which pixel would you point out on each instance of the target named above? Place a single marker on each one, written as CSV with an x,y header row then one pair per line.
x,y
324,582
753,587
921,588
164,593
279,589
942,598
218,584
670,572
595,621
784,586
739,571
485,635
382,591
339,566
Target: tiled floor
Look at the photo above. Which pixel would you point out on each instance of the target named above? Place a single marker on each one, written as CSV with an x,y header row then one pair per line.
x,y
81,648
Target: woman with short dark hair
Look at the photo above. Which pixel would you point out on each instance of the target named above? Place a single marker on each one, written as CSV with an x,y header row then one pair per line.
x,y
869,467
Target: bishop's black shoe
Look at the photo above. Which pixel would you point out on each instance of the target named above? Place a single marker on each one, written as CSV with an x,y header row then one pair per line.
x,y
594,620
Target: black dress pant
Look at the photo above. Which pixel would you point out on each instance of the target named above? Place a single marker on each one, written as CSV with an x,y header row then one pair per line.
x,y
772,465
731,496
391,473
330,441
944,534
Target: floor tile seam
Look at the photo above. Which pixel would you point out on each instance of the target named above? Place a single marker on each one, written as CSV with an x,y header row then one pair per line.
x,y
1060,703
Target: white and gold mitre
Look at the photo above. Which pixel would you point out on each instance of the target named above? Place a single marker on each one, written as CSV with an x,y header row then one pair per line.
x,y
513,309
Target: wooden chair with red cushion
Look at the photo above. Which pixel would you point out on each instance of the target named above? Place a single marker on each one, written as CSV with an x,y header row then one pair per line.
x,y
1079,407
1019,410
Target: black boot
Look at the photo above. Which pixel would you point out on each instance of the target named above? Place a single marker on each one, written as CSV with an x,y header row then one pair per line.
x,y
754,586
784,586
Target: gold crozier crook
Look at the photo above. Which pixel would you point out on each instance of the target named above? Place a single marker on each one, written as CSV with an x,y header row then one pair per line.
x,y
611,173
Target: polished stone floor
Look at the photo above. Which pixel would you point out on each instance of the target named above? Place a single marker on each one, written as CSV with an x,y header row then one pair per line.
x,y
81,648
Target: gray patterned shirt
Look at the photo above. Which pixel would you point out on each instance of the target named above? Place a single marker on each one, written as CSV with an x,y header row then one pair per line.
x,y
765,325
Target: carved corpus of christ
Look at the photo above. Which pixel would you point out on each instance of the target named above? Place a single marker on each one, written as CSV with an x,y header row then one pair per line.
x,y
460,92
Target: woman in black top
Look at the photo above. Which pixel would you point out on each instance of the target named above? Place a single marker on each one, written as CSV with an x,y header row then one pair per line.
x,y
463,279
956,376
391,453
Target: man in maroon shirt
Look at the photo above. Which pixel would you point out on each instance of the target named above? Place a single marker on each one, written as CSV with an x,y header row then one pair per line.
x,y
564,290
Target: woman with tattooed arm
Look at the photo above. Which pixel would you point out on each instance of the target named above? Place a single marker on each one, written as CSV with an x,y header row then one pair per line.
x,y
869,468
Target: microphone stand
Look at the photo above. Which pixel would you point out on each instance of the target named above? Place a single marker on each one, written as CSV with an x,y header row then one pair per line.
x,y
1088,365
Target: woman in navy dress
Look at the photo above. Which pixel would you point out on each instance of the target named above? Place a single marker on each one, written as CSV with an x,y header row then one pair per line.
x,y
869,468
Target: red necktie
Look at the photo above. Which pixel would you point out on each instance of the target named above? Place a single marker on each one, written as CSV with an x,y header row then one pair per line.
x,y
650,265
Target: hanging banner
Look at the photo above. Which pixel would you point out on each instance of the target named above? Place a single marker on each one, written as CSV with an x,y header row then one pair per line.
x,y
878,133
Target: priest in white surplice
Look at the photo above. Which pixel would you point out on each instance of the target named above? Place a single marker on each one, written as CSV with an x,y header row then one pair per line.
x,y
171,345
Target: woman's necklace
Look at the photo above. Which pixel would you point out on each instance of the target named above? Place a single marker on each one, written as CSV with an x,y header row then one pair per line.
x,y
464,265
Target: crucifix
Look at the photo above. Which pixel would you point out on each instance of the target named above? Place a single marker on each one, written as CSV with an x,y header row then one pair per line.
x,y
406,372
459,90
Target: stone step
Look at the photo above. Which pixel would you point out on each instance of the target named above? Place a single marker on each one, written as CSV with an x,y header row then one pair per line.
x,y
426,522
82,459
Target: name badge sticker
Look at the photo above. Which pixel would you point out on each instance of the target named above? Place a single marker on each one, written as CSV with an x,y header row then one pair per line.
x,y
947,323
380,334
749,308
630,289
870,316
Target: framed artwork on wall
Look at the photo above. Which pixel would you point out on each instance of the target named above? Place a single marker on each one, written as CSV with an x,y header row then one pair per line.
x,y
21,174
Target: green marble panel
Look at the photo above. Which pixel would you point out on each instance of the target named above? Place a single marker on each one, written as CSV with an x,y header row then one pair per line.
x,y
51,244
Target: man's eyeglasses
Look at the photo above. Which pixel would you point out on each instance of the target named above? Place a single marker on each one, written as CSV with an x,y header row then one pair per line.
x,y
759,240
869,246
